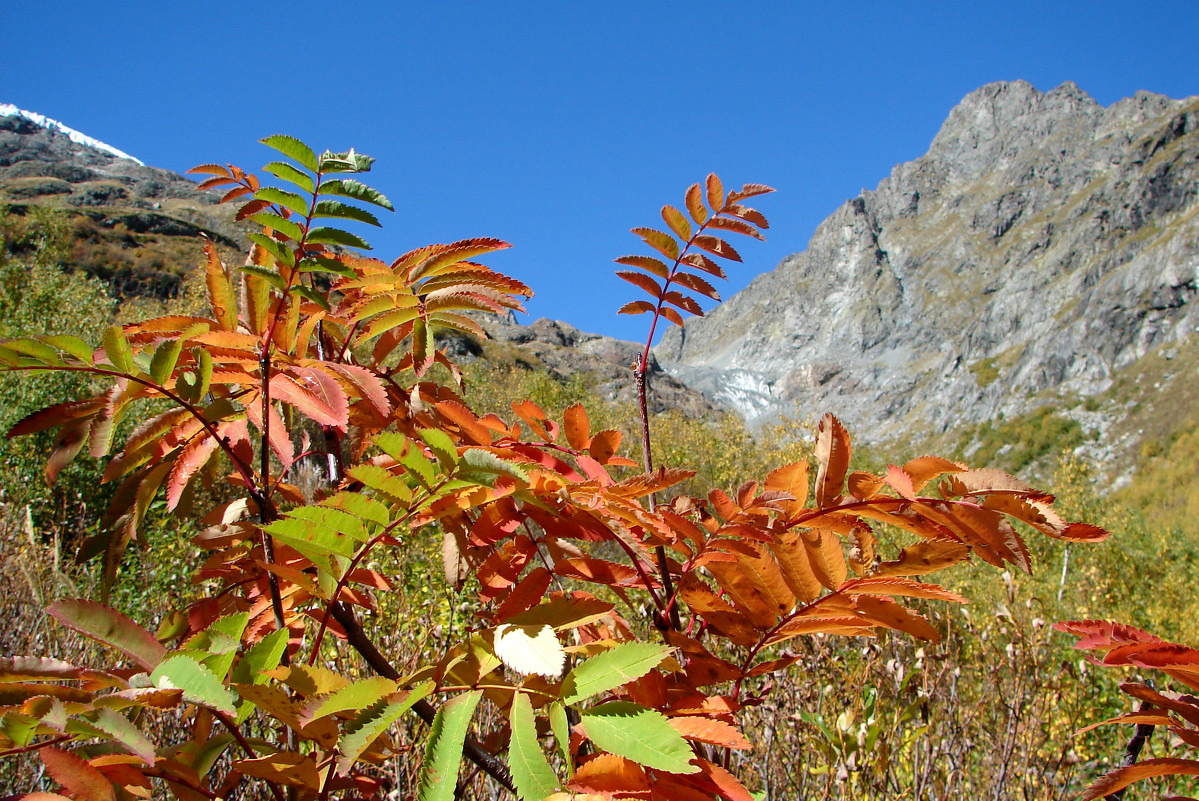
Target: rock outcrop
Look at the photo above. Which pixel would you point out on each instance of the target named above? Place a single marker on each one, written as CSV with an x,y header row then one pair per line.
x,y
1044,242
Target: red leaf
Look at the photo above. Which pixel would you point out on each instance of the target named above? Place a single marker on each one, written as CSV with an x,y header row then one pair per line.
x,y
736,225
672,315
1122,777
702,262
77,776
193,457
604,445
683,302
696,284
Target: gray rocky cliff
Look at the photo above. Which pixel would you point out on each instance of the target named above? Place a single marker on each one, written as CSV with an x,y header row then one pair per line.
x,y
1042,242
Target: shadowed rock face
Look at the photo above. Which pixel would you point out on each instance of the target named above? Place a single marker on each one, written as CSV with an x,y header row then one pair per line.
x,y
1042,242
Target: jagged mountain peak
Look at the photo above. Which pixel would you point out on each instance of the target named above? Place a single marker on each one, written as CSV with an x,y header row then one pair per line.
x,y
1043,243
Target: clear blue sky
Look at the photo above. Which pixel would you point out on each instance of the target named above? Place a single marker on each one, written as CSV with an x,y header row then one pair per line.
x,y
560,125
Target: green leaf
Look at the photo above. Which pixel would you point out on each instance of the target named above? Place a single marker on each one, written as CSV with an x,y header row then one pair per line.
x,y
314,295
419,467
374,720
611,669
344,211
292,148
35,348
199,684
345,162
531,771
72,345
116,347
266,654
111,627
639,734
276,248
440,772
442,446
166,355
285,172
356,190
276,223
359,505
270,276
281,197
334,236
359,695
481,461
324,264
560,725
118,727
311,538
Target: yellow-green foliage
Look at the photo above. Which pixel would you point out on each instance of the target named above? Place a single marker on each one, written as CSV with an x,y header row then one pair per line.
x,y
1013,445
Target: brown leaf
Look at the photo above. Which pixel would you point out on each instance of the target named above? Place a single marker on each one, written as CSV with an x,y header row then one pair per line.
x,y
717,247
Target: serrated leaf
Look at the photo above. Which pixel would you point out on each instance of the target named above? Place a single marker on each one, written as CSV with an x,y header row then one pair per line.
x,y
281,197
76,775
638,734
483,461
343,211
677,222
199,684
292,148
334,236
116,348
285,172
276,223
162,364
357,191
111,627
73,346
662,242
530,649
266,654
359,695
118,727
281,253
695,204
531,771
442,447
439,774
715,192
611,669
560,726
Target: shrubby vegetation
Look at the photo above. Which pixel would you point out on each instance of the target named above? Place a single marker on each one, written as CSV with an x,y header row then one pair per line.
x,y
488,550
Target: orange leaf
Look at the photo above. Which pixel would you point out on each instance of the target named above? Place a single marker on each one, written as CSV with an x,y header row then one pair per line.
x,y
707,730
715,192
662,242
1122,777
636,307
724,782
702,262
683,302
193,457
577,426
641,281
647,263
734,224
696,284
716,246
695,204
221,299
881,585
925,468
677,222
672,315
604,445
609,773
924,557
832,455
886,612
793,480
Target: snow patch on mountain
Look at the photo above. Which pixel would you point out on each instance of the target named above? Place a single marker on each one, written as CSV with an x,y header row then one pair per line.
x,y
9,110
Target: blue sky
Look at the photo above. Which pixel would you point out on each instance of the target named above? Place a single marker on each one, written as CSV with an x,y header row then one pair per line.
x,y
560,125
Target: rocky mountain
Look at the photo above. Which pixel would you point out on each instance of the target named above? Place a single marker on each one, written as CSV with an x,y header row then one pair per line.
x,y
134,216
1043,247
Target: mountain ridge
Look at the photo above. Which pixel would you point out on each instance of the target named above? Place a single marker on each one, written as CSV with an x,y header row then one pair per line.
x,y
1044,243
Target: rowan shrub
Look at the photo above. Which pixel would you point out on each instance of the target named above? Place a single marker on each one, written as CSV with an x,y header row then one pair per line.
x,y
602,628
